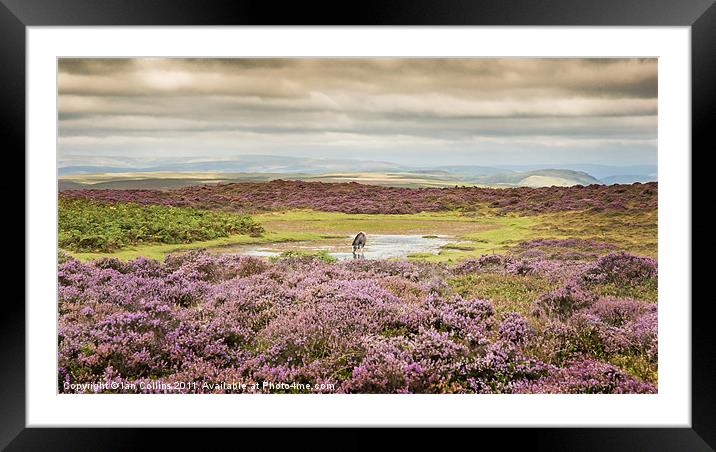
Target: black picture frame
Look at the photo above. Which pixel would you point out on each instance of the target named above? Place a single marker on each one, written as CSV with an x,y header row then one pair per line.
x,y
16,15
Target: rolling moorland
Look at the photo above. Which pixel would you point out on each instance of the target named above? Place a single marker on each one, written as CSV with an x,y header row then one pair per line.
x,y
269,168
538,290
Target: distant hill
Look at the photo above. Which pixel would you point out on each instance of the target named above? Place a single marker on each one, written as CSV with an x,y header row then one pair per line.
x,y
608,174
124,174
70,185
164,180
472,170
628,179
140,183
540,178
246,164
558,174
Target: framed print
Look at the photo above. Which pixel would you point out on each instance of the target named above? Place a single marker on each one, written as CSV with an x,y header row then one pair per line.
x,y
238,217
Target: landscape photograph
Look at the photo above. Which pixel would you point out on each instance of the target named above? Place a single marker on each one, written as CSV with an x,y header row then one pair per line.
x,y
357,225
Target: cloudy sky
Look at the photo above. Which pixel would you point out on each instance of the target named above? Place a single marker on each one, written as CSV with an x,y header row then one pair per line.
x,y
423,112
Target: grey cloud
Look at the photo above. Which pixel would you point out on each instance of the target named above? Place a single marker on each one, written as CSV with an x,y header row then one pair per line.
x,y
475,78
213,106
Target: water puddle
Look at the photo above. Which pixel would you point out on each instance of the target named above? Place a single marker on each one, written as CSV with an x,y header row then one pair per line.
x,y
378,246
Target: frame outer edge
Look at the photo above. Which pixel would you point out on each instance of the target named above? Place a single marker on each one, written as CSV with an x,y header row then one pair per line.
x,y
12,122
703,99
367,12
12,133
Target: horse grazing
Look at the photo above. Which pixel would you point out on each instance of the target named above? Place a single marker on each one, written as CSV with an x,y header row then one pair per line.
x,y
359,242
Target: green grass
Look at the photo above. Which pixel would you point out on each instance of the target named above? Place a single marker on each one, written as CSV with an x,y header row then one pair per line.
x,y
497,235
636,365
645,290
425,223
507,292
633,230
90,226
458,247
475,233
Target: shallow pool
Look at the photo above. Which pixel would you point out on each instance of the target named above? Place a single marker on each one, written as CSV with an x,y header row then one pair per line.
x,y
378,246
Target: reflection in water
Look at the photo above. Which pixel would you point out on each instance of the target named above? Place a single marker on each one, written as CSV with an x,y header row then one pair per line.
x,y
378,246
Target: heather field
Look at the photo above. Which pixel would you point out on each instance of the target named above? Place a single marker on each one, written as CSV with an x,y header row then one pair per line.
x,y
372,199
536,290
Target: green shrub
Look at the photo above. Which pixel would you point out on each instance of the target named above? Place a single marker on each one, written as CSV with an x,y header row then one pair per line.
x,y
91,226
